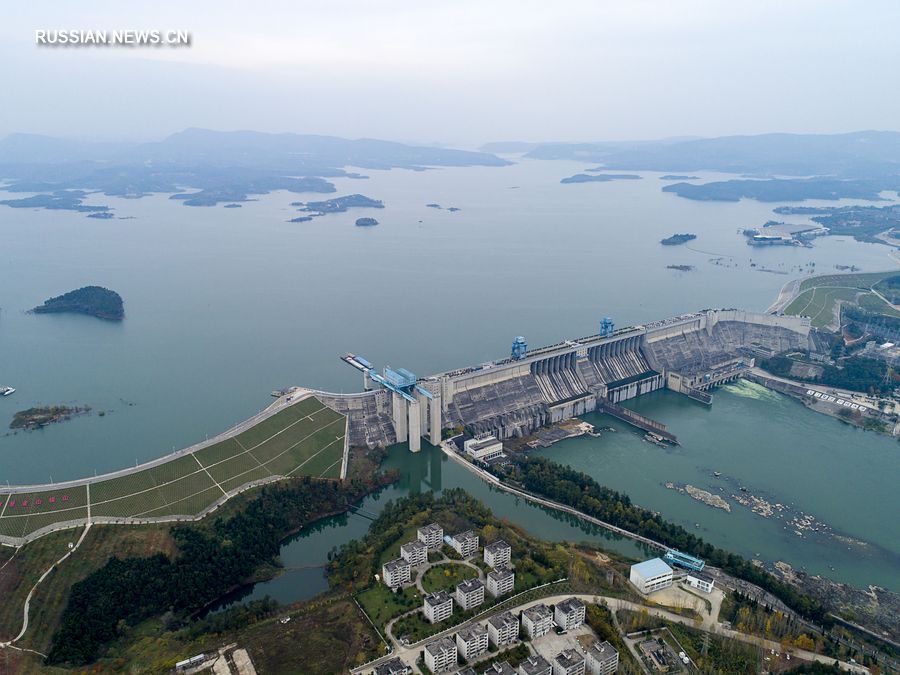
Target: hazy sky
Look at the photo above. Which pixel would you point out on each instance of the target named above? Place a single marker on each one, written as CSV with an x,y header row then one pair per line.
x,y
458,71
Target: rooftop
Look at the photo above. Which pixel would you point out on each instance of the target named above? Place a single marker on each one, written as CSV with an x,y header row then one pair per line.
x,y
394,565
469,585
438,599
568,658
482,443
500,573
431,527
472,632
415,543
652,568
537,612
701,576
462,536
533,665
436,647
602,650
570,605
395,665
497,546
504,619
502,668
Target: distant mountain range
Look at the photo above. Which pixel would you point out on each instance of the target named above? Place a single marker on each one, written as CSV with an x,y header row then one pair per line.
x,y
322,155
862,154
219,166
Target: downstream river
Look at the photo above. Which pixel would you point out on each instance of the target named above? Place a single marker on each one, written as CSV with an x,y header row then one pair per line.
x,y
225,305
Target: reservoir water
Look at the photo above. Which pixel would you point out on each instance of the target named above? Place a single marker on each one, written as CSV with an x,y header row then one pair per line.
x,y
224,305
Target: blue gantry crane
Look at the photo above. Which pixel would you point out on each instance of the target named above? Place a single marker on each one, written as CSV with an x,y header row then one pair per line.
x,y
519,348
606,326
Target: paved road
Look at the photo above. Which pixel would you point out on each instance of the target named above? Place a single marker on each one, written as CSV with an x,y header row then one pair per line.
x,y
446,561
410,653
785,296
37,583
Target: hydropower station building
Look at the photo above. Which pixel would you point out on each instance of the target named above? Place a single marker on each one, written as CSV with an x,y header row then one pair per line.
x,y
531,388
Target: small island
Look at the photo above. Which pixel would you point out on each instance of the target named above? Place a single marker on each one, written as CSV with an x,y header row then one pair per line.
x,y
453,209
433,206
301,219
102,215
677,239
598,178
35,418
91,300
366,222
681,268
340,204
233,206
675,176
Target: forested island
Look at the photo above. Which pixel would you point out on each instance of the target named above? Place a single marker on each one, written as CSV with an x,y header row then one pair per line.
x,y
35,418
677,239
60,200
598,178
366,222
675,176
91,300
783,190
340,204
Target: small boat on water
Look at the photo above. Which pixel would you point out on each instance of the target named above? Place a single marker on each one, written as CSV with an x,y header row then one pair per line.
x,y
6,391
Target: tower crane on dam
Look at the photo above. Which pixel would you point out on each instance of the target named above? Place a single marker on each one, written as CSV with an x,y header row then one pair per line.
x,y
415,408
519,348
607,327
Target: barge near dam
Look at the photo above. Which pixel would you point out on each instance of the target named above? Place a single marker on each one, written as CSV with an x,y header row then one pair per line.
x,y
515,396
309,433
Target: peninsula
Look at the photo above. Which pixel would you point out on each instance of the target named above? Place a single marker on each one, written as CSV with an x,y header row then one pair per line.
x,y
91,300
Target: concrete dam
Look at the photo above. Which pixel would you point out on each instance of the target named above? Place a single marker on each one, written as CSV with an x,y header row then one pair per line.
x,y
515,396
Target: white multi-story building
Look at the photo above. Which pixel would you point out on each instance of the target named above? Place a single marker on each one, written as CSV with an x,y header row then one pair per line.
x,y
602,659
395,573
440,655
498,554
700,581
651,575
431,535
465,543
568,662
414,552
437,606
503,629
472,641
483,447
500,582
393,667
569,614
469,594
537,620
535,665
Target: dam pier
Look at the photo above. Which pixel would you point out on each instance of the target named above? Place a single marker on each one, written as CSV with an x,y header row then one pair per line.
x,y
531,388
